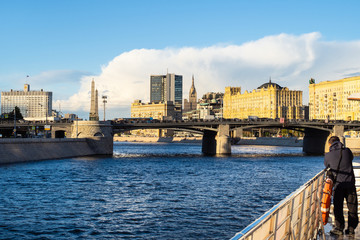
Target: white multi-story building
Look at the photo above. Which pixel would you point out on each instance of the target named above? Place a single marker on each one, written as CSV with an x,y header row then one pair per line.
x,y
33,105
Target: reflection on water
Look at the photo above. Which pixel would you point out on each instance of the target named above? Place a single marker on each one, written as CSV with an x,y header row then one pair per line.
x,y
148,191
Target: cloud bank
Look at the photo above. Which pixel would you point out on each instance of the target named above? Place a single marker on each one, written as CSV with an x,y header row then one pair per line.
x,y
289,60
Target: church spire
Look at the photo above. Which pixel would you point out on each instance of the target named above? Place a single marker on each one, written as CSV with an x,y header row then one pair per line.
x,y
192,88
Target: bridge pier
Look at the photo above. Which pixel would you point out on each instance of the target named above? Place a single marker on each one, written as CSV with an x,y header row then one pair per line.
x,y
338,130
217,143
98,134
315,141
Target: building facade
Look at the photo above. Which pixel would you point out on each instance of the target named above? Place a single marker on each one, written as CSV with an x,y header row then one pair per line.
x,y
160,111
267,101
331,100
209,107
33,105
165,88
190,104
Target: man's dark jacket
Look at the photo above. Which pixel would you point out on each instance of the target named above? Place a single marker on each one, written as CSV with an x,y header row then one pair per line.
x,y
332,158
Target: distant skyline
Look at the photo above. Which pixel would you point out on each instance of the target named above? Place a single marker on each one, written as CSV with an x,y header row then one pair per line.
x,y
63,45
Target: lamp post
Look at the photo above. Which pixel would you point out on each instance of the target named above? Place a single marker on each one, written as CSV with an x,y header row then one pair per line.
x,y
46,115
104,101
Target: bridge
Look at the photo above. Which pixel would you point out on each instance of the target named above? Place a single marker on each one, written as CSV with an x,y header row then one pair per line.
x,y
216,134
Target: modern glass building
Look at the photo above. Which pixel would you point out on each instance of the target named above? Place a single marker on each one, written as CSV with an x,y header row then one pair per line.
x,y
165,88
156,88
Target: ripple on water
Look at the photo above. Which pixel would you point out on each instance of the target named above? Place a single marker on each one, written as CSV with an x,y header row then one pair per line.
x,y
148,191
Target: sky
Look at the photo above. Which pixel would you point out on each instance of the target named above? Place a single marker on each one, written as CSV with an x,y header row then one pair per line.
x,y
63,45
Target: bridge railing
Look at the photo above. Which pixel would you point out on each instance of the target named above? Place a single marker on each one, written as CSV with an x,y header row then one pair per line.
x,y
298,216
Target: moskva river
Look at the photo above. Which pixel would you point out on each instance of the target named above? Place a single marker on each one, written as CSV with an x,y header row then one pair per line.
x,y
148,191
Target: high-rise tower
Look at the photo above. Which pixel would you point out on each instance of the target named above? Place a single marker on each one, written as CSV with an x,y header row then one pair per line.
x,y
165,88
94,110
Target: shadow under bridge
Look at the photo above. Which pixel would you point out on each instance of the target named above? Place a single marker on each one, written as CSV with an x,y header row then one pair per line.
x,y
216,137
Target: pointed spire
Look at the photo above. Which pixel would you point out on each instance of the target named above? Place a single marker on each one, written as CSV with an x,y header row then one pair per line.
x,y
94,114
192,88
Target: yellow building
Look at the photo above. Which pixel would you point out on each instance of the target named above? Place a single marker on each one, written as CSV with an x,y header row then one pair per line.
x,y
329,99
160,111
267,101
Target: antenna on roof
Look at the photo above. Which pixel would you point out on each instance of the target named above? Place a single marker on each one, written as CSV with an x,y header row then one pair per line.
x,y
270,79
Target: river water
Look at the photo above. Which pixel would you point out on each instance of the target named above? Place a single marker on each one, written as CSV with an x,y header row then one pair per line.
x,y
148,191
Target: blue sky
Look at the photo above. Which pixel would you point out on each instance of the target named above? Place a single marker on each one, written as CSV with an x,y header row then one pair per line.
x,y
62,45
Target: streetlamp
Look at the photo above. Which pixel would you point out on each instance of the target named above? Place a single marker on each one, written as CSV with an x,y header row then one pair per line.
x,y
104,101
46,115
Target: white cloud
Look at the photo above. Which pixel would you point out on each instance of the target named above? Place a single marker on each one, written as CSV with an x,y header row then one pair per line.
x,y
289,60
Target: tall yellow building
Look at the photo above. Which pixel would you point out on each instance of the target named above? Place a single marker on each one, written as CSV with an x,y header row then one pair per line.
x,y
329,99
267,101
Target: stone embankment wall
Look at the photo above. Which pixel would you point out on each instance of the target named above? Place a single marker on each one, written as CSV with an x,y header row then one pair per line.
x,y
268,141
31,149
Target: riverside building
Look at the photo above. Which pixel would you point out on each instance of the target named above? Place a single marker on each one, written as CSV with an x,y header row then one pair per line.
x,y
160,111
165,88
331,100
33,105
270,100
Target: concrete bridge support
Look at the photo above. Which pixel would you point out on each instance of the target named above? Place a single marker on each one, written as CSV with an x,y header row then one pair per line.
x,y
98,134
338,130
217,143
209,142
314,141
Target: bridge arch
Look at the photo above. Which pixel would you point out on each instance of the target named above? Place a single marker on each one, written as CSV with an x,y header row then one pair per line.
x,y
98,134
60,133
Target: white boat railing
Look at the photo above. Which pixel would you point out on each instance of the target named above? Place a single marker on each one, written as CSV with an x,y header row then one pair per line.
x,y
296,217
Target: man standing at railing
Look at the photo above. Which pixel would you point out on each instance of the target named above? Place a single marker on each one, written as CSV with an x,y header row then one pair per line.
x,y
339,160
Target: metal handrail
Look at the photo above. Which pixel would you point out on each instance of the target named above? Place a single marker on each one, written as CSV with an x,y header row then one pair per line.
x,y
297,216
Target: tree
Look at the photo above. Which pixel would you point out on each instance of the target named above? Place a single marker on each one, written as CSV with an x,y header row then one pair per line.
x,y
11,114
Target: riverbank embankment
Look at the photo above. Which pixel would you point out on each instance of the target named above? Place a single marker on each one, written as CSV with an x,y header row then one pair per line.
x,y
157,139
34,149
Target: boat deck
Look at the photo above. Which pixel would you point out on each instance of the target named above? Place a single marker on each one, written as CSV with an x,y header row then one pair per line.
x,y
298,216
328,227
